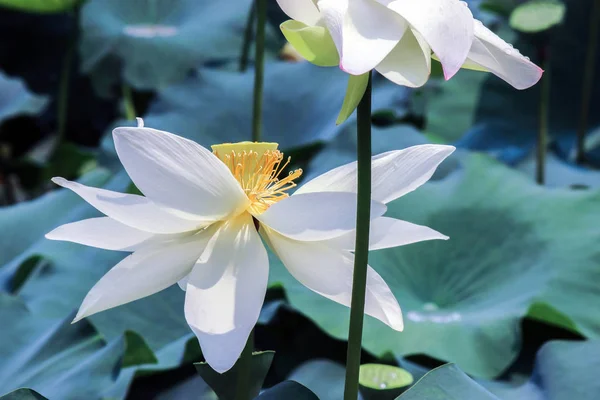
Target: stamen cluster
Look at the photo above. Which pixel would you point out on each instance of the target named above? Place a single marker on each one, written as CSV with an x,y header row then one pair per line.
x,y
258,176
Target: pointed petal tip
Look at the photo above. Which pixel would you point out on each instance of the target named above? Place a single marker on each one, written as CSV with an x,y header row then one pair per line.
x,y
77,318
60,181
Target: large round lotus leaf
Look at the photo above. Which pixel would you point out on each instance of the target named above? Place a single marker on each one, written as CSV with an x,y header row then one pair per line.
x,y
301,103
563,371
160,41
463,298
16,99
55,358
56,285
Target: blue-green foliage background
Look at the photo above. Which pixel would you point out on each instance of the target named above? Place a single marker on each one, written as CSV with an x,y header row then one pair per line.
x,y
511,300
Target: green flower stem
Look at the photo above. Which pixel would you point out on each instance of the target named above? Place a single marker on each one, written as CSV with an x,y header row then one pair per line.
x,y
259,69
588,81
128,103
247,38
542,139
242,385
361,253
242,388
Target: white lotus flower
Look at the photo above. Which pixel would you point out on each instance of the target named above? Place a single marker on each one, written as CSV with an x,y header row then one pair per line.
x,y
397,38
197,226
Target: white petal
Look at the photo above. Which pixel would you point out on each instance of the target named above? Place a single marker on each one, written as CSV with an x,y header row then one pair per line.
x,y
409,64
103,233
226,290
394,173
366,32
447,25
301,10
182,283
388,232
178,173
491,53
143,273
316,216
132,210
328,272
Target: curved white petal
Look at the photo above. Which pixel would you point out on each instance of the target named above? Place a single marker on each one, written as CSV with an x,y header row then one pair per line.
x,y
182,283
366,32
446,25
388,232
301,10
316,216
409,64
394,173
226,290
328,272
178,173
143,273
103,233
489,52
132,210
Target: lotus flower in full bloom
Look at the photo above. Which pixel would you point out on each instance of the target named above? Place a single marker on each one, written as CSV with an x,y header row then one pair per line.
x,y
398,38
201,220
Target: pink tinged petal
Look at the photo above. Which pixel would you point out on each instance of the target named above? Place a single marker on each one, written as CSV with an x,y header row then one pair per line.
x,y
447,25
304,11
226,290
179,174
489,52
394,173
135,211
103,233
328,272
389,232
143,273
316,216
409,64
369,32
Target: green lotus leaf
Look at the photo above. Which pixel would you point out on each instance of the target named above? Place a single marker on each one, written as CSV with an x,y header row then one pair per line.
x,y
537,15
158,42
54,358
300,105
447,382
16,100
463,299
564,370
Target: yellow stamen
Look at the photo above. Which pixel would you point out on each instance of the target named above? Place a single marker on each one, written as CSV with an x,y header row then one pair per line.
x,y
257,166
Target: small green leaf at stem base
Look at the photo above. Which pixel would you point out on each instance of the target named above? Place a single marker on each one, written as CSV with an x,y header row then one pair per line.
x,y
357,84
224,385
314,43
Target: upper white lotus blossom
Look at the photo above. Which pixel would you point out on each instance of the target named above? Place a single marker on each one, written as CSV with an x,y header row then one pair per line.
x,y
198,225
397,38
